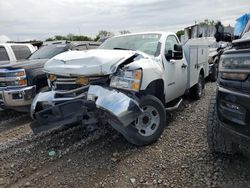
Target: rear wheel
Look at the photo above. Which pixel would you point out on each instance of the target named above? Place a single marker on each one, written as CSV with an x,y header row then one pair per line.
x,y
148,127
197,90
214,74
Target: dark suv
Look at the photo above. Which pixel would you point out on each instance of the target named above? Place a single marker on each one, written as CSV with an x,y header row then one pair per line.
x,y
20,82
229,116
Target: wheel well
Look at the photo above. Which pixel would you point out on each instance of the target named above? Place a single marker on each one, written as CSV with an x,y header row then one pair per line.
x,y
155,88
202,72
40,82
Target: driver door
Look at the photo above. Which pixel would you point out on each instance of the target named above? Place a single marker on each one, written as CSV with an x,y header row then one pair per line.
x,y
175,72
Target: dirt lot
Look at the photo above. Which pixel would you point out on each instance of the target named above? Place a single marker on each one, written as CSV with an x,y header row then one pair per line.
x,y
73,157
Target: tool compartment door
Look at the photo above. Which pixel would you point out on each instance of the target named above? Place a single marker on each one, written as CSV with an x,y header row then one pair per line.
x,y
193,73
203,59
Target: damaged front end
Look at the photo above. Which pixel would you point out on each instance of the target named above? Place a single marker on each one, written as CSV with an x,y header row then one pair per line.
x,y
87,104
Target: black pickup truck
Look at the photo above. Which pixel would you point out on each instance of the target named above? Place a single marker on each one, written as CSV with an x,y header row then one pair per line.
x,y
229,116
21,81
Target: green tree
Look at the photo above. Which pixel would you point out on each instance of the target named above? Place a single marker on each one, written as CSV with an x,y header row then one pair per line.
x,y
208,22
103,34
49,39
123,32
179,33
70,37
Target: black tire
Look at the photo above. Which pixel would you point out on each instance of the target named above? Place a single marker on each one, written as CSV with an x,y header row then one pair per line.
x,y
197,90
214,75
216,140
136,138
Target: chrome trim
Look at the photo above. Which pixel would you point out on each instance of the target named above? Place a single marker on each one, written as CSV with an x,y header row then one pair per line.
x,y
28,92
50,97
12,79
63,83
11,71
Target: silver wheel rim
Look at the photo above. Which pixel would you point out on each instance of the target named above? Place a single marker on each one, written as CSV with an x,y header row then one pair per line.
x,y
148,122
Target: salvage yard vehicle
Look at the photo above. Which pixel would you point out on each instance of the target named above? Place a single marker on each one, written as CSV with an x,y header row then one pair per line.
x,y
229,116
12,52
129,83
22,80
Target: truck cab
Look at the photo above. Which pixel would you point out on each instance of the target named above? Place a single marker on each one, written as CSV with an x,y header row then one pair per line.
x,y
129,82
12,52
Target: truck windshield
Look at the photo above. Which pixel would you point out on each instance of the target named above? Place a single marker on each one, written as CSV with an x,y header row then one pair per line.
x,y
147,43
47,52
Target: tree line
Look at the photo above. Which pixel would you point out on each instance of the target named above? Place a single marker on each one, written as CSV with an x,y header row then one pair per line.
x,y
104,34
71,37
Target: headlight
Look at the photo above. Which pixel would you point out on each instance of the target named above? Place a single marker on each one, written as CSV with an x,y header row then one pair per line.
x,y
19,76
234,76
127,79
235,61
234,67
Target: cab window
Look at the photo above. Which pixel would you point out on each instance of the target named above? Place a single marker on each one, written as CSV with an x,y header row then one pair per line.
x,y
21,51
3,54
170,42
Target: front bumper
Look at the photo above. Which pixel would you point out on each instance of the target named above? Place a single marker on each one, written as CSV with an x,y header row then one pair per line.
x,y
235,136
70,106
17,97
234,111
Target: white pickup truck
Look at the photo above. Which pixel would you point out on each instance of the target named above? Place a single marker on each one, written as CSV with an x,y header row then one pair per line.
x,y
129,83
12,52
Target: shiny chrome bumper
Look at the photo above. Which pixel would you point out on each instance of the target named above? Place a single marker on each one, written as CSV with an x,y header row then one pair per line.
x,y
117,106
17,97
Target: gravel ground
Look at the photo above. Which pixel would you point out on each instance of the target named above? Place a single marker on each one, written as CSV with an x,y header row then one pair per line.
x,y
73,157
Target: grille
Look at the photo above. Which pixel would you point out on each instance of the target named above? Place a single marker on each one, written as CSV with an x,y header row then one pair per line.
x,y
65,83
3,84
69,83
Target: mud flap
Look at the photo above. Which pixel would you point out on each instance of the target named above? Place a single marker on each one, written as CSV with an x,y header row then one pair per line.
x,y
62,114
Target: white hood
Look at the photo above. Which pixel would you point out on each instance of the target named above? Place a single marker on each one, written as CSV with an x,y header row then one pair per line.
x,y
92,62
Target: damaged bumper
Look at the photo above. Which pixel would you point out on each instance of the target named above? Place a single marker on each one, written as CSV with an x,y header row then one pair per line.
x,y
70,106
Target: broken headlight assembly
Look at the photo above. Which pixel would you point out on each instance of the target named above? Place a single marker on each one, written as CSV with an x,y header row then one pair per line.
x,y
127,79
236,67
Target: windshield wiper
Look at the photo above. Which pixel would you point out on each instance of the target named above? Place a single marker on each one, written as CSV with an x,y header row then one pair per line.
x,y
121,49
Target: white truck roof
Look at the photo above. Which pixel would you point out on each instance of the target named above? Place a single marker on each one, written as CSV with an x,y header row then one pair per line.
x,y
11,52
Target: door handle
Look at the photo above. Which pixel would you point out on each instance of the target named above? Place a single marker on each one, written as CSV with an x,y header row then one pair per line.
x,y
184,66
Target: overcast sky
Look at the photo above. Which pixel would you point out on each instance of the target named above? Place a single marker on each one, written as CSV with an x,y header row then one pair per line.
x,y
33,19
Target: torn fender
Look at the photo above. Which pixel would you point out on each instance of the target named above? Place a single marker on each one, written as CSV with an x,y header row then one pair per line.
x,y
117,104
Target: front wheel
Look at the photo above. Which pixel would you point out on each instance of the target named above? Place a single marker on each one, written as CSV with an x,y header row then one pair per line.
x,y
197,90
148,127
217,141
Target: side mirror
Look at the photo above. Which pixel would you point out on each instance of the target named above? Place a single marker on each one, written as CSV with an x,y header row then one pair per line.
x,y
176,54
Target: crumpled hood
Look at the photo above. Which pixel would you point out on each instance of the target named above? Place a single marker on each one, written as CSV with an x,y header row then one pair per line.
x,y
92,62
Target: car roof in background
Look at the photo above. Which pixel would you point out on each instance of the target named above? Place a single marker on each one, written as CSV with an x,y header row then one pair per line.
x,y
74,43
